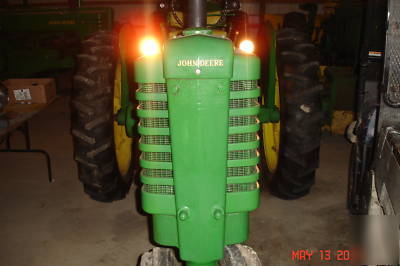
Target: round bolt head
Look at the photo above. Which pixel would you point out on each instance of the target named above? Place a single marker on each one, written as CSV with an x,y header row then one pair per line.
x,y
218,214
175,90
183,214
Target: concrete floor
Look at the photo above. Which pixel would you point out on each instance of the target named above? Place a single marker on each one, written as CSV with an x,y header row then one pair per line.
x,y
57,224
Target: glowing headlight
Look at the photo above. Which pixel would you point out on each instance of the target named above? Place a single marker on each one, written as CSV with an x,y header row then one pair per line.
x,y
149,46
246,46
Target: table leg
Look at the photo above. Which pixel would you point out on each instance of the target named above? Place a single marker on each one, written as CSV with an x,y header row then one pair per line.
x,y
46,155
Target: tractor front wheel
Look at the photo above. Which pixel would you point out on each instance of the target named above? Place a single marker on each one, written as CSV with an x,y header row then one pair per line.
x,y
234,255
159,257
239,255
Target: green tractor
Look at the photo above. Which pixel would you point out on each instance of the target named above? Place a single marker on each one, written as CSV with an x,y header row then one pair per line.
x,y
198,113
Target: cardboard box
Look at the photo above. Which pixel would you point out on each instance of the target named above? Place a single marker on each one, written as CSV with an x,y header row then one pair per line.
x,y
26,91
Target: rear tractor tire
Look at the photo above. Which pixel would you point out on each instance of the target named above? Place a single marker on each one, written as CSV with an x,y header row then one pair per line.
x,y
301,114
93,120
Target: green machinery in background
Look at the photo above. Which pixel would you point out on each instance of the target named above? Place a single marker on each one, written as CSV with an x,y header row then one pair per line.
x,y
35,41
339,47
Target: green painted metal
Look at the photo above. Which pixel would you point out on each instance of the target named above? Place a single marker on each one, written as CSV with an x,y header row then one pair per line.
x,y
130,122
149,70
183,63
267,115
125,114
163,203
341,83
198,112
81,20
165,230
196,103
197,31
269,112
48,37
166,233
201,264
200,226
246,67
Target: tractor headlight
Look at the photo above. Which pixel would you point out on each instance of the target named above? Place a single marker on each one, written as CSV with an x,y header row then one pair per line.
x,y
246,46
149,46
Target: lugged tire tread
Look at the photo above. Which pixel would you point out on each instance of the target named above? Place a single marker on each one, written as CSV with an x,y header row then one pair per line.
x,y
301,114
92,120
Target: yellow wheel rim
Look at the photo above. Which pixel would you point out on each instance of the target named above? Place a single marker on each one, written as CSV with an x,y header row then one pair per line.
x,y
271,137
123,143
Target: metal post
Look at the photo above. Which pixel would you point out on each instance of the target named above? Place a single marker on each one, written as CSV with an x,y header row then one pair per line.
x,y
196,14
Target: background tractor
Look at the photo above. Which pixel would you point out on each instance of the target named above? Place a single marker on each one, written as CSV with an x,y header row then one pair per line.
x,y
43,42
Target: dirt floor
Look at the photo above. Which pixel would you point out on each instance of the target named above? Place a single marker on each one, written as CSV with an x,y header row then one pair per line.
x,y
57,224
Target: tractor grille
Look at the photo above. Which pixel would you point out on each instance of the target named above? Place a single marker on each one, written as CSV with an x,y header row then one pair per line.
x,y
155,139
241,155
153,105
242,171
243,103
241,187
237,121
243,85
160,173
154,122
152,88
243,137
159,189
169,190
157,156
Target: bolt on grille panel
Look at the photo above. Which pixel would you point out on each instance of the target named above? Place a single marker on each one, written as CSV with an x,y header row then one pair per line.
x,y
157,156
155,122
153,105
152,88
155,139
243,85
243,103
237,121
160,173
230,188
242,137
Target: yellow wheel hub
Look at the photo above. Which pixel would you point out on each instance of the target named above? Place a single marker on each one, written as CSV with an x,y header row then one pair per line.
x,y
123,143
271,137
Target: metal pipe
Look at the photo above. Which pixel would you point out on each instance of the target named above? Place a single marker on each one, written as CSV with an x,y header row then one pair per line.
x,y
196,14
